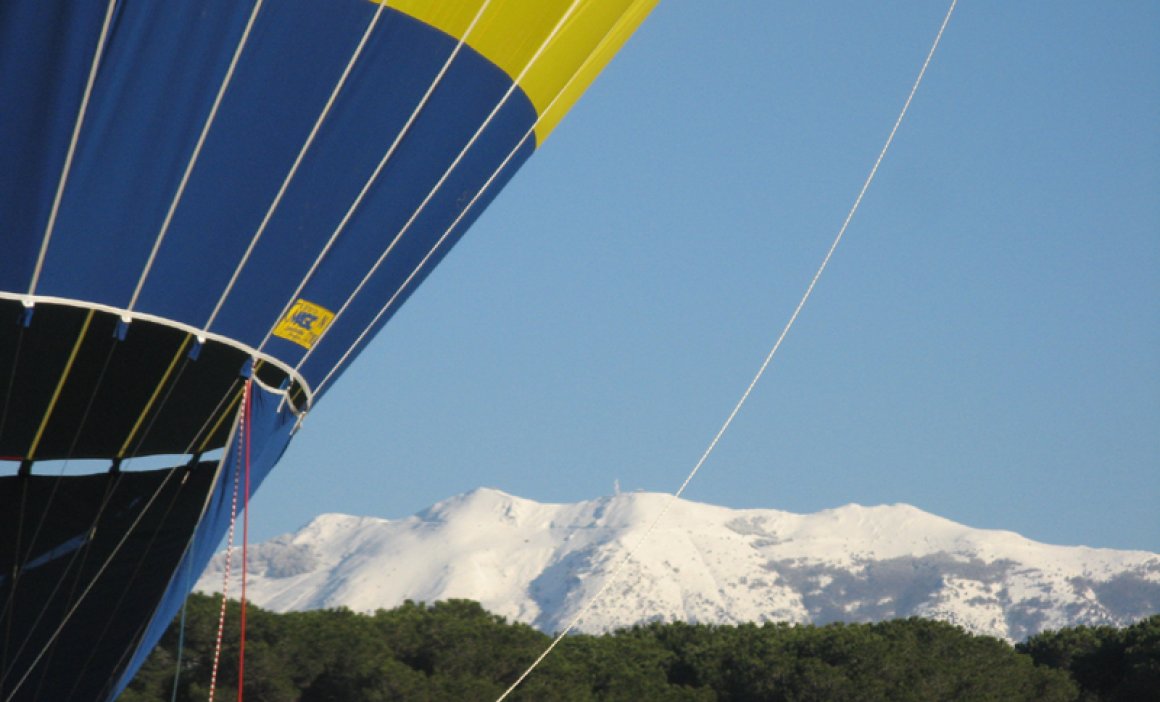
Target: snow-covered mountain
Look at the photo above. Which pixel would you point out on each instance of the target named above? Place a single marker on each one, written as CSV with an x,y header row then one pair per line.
x,y
541,563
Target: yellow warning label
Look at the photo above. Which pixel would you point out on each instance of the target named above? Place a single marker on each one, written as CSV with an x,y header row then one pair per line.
x,y
304,323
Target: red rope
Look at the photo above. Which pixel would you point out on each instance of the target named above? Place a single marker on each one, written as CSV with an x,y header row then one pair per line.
x,y
244,420
245,538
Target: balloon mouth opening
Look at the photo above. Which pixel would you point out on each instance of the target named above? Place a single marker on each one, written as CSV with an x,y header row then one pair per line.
x,y
79,383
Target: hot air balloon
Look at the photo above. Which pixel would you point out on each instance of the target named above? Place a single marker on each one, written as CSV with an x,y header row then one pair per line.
x,y
206,210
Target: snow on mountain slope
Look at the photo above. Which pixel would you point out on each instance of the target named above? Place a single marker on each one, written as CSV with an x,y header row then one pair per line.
x,y
540,563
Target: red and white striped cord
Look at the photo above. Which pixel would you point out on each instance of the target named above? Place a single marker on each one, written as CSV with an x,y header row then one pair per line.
x,y
243,458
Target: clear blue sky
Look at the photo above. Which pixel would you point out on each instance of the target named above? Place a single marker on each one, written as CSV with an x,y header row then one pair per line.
x,y
985,345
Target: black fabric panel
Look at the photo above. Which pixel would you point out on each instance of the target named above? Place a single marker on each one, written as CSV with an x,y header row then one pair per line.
x,y
109,386
56,535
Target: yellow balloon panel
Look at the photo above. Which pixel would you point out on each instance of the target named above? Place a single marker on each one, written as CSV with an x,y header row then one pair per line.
x,y
512,34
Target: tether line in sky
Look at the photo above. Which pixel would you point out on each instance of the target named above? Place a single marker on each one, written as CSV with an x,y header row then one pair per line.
x,y
627,553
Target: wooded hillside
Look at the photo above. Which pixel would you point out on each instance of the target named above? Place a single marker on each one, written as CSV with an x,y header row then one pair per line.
x,y
457,651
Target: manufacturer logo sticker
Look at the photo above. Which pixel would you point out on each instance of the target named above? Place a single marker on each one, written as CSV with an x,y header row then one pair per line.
x,y
304,323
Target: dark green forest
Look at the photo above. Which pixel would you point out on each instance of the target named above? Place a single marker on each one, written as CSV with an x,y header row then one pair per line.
x,y
457,651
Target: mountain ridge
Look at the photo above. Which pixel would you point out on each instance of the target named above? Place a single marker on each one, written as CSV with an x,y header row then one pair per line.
x,y
540,563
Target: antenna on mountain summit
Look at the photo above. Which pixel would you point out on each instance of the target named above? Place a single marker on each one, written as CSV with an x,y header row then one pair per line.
x,y
616,486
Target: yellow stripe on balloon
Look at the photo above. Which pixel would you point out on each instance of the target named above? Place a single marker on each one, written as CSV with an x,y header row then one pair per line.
x,y
510,32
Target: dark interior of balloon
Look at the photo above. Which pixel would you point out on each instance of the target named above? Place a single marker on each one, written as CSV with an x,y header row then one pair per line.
x,y
130,528
147,393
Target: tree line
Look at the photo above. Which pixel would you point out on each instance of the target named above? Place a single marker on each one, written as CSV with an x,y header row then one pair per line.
x,y
455,650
